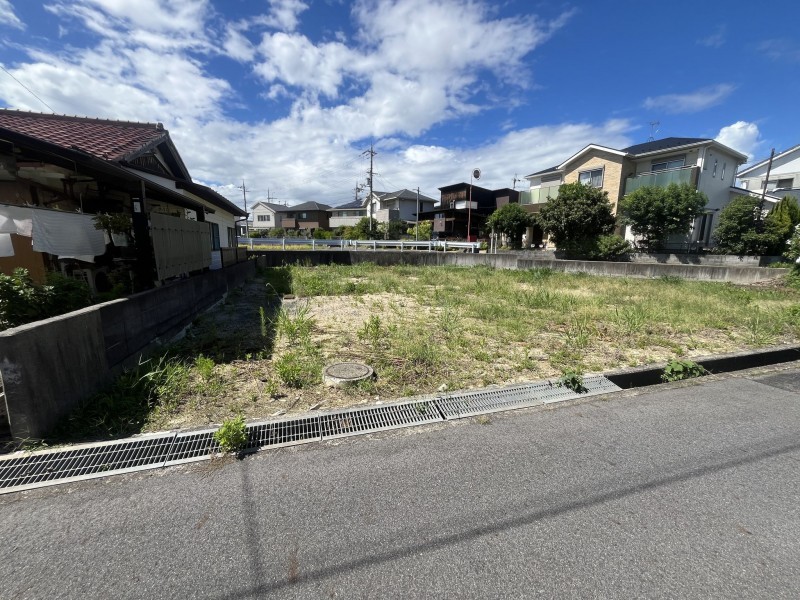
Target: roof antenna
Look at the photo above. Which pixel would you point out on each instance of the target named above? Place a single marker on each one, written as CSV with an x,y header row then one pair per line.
x,y
516,179
653,130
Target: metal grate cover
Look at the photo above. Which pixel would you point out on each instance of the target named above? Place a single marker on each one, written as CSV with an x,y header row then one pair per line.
x,y
275,434
49,467
34,470
518,396
192,446
378,418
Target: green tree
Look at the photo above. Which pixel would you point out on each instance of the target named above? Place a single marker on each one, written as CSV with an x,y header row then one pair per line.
x,y
743,231
657,212
392,230
425,230
579,212
363,231
511,220
783,219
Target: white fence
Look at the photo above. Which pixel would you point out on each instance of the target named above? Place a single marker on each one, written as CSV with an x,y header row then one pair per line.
x,y
402,245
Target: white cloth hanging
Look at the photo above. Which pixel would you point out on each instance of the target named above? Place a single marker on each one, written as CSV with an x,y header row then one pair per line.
x,y
15,219
6,247
66,234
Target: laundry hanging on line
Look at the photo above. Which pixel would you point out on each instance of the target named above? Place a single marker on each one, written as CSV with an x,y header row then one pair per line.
x,y
16,219
66,234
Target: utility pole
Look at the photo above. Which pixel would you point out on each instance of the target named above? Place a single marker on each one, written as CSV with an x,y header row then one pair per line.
x,y
764,191
416,229
244,194
371,153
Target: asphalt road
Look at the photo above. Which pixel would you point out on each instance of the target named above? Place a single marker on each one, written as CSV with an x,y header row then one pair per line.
x,y
683,492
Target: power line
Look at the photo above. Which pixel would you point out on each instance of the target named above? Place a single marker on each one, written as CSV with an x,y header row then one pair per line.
x,y
32,93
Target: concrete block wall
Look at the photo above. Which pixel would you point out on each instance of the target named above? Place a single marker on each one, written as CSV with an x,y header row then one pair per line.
x,y
49,367
726,269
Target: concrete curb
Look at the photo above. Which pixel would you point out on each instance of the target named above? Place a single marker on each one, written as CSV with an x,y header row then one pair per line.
x,y
718,363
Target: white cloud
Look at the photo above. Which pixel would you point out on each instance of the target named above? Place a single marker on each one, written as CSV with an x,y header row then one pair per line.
x,y
8,16
716,39
741,136
283,14
780,49
696,101
376,84
237,46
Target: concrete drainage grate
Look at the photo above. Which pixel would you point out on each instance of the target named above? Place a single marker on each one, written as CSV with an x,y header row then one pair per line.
x,y
192,446
518,396
378,418
275,434
60,466
50,467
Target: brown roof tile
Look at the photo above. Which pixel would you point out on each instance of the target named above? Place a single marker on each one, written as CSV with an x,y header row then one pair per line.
x,y
106,139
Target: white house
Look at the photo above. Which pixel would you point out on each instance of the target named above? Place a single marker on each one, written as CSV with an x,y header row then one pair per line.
x,y
401,205
262,215
784,176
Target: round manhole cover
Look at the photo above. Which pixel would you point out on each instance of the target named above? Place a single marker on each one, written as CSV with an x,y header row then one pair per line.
x,y
346,372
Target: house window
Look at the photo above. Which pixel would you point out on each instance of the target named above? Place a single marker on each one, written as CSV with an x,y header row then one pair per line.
x,y
673,163
232,242
301,216
264,218
714,172
593,178
722,175
214,236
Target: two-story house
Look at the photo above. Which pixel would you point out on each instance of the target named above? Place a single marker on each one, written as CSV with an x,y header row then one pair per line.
x,y
308,216
263,215
465,207
784,175
346,215
703,163
402,205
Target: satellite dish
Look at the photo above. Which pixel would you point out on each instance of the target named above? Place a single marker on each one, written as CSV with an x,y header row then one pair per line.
x,y
476,173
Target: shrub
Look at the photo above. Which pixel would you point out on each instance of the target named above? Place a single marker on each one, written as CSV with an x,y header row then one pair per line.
x,y
232,434
657,212
573,380
579,212
604,247
22,301
322,234
511,220
677,370
425,230
743,231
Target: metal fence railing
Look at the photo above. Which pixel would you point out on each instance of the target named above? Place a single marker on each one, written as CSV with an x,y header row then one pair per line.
x,y
402,245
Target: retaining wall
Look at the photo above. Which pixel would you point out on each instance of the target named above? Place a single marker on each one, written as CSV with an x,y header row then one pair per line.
x,y
50,366
707,272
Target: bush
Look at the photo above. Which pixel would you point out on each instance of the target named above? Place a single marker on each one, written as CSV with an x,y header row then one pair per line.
x,y
604,247
573,380
365,229
511,220
232,434
579,212
22,301
677,370
793,245
744,232
322,234
425,230
657,212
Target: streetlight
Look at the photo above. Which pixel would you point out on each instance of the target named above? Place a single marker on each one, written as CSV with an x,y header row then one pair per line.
x,y
476,174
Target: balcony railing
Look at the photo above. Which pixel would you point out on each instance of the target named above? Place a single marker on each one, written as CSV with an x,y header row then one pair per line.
x,y
538,195
662,178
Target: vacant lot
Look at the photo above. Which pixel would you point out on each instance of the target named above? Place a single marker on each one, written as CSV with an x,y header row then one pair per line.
x,y
262,351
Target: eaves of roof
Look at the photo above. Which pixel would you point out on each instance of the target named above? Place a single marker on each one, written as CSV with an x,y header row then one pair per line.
x,y
766,160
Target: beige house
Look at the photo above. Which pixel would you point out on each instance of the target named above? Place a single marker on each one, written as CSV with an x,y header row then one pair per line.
x,y
703,163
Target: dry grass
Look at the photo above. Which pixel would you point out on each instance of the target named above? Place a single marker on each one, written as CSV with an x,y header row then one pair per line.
x,y
424,327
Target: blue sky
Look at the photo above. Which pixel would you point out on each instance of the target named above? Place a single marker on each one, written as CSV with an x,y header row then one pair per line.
x,y
287,94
